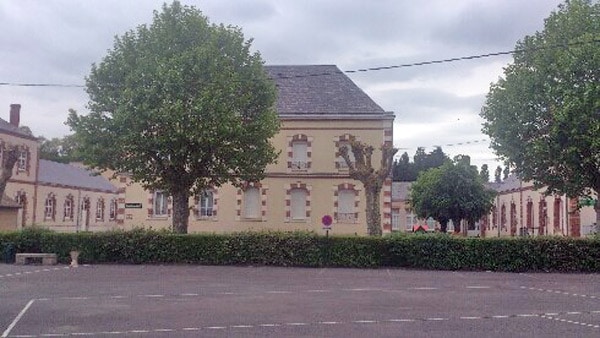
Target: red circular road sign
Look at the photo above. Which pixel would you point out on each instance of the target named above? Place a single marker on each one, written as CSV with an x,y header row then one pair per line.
x,y
327,220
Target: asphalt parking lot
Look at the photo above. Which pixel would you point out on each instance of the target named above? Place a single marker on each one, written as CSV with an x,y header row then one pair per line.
x,y
215,301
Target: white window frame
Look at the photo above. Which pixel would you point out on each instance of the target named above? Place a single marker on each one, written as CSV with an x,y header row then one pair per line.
x,y
49,208
252,200
112,209
346,206
298,198
299,155
100,210
22,161
206,204
68,208
160,204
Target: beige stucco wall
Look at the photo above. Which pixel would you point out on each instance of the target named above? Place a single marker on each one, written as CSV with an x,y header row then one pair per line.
x,y
322,179
8,219
78,223
520,198
28,190
29,174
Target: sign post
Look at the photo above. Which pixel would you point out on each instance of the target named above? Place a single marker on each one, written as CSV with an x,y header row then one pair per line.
x,y
327,220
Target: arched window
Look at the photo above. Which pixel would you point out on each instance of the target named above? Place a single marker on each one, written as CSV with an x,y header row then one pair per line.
x,y
100,210
50,208
112,209
68,208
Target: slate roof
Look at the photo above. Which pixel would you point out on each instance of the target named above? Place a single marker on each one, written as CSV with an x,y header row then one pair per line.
x,y
512,182
7,202
55,173
400,190
10,129
319,90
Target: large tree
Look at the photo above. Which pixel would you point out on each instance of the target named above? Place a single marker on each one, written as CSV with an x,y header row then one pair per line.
x,y
543,115
453,191
406,171
58,149
361,169
9,156
181,105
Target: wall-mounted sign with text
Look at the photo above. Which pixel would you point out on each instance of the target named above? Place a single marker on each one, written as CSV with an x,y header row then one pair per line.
x,y
133,205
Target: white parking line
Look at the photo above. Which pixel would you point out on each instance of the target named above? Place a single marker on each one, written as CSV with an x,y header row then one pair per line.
x,y
17,318
550,316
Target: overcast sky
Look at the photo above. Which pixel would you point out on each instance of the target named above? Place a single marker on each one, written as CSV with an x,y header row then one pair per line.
x,y
56,41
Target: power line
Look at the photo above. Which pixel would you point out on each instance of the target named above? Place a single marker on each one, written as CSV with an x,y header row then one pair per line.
x,y
362,70
18,84
472,142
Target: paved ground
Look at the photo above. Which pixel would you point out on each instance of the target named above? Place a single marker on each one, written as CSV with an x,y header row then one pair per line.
x,y
192,301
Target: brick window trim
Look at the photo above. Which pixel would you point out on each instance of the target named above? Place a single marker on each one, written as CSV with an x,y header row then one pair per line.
x,y
239,207
288,202
338,140
290,153
336,214
197,206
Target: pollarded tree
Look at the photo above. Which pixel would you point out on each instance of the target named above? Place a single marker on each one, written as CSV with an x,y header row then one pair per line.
x,y
362,170
543,116
453,191
484,173
181,105
10,155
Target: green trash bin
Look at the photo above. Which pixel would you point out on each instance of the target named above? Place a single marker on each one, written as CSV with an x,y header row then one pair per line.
x,y
8,254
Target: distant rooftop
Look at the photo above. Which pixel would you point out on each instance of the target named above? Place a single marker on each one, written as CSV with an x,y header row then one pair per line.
x,y
400,190
10,129
67,175
319,90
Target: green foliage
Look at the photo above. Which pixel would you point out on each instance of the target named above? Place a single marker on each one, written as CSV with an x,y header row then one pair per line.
x,y
58,149
453,191
405,171
305,249
182,105
484,173
543,116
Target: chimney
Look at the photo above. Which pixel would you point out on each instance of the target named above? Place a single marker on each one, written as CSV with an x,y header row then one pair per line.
x,y
15,114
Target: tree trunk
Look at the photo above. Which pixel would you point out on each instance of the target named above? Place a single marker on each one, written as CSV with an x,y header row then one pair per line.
x,y
597,209
456,224
444,226
373,212
181,212
11,154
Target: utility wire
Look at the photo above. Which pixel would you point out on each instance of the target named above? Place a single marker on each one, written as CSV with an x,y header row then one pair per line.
x,y
361,70
472,142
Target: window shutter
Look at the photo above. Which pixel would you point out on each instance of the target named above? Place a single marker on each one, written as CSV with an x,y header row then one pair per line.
x,y
346,201
298,203
251,202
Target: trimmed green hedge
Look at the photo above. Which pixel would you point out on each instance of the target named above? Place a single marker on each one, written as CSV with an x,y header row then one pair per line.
x,y
434,252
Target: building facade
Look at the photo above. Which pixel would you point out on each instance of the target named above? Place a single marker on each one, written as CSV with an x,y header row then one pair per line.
x,y
519,210
320,110
53,195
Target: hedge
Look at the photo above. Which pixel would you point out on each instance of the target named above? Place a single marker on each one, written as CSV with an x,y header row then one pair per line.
x,y
307,249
